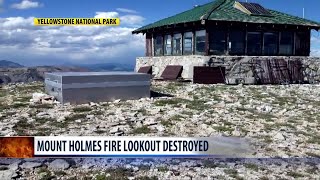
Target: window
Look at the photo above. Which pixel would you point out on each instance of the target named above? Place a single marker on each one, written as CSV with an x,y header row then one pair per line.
x,y
187,43
254,43
200,42
286,43
167,45
218,41
302,44
270,44
158,46
177,42
236,44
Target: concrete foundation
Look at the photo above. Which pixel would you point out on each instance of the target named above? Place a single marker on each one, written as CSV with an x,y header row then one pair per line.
x,y
237,67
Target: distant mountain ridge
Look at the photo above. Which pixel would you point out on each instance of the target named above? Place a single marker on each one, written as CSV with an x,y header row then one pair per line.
x,y
11,72
9,64
109,67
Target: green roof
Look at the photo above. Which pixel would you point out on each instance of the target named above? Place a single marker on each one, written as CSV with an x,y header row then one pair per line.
x,y
224,10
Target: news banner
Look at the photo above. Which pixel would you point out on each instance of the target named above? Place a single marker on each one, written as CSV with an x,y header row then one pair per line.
x,y
90,146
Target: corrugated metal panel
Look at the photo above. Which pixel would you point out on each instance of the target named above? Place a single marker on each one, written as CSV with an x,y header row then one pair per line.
x,y
209,75
263,71
280,71
172,72
296,71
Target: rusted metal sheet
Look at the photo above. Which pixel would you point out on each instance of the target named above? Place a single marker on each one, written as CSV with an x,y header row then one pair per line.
x,y
209,75
296,71
172,72
279,71
145,69
263,71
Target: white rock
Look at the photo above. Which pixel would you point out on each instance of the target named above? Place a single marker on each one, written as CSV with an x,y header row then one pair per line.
x,y
160,128
30,165
117,101
59,164
279,136
90,116
7,174
114,130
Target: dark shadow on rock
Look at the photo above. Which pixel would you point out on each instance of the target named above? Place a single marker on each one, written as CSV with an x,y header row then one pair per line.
x,y
158,94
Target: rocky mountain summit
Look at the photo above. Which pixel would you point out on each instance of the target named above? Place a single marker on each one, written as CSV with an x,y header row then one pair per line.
x,y
9,64
279,121
31,74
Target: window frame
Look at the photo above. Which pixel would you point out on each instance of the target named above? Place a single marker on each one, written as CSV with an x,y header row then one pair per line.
x,y
191,43
261,43
165,45
292,43
174,45
276,43
155,46
244,42
204,41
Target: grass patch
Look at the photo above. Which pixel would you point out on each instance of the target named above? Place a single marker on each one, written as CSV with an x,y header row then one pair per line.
x,y
314,139
313,155
43,131
143,111
231,172
147,178
166,123
19,105
295,174
3,92
210,164
81,109
142,130
23,99
45,174
174,102
21,126
254,167
197,105
43,120
223,129
60,173
189,113
176,118
119,174
163,169
41,106
74,117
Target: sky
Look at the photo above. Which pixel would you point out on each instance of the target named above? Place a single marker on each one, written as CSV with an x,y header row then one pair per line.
x,y
22,42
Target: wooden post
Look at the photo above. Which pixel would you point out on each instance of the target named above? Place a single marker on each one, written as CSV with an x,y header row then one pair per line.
x,y
279,42
207,41
294,43
246,41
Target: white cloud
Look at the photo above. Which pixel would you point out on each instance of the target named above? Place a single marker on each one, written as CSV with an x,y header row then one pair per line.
x,y
131,19
26,4
25,43
125,10
106,15
125,19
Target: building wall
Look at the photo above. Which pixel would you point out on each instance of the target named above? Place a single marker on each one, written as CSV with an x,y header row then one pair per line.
x,y
237,67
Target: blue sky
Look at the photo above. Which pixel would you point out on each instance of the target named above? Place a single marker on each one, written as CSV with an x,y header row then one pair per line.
x,y
20,41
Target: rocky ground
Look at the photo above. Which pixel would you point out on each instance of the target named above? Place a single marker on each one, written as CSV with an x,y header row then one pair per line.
x,y
279,121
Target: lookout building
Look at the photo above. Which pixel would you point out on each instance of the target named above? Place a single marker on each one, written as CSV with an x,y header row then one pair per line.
x,y
223,29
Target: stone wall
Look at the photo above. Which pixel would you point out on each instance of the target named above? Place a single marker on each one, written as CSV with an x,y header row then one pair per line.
x,y
237,67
